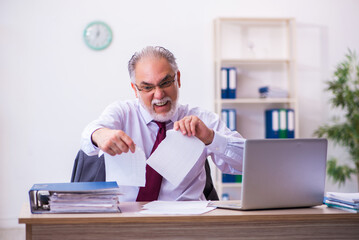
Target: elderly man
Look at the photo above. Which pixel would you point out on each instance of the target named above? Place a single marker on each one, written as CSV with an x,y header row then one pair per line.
x,y
156,80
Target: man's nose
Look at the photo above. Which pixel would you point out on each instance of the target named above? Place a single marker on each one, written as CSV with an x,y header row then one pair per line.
x,y
159,93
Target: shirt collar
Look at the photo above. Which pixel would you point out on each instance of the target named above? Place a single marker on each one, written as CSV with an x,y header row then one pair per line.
x,y
145,114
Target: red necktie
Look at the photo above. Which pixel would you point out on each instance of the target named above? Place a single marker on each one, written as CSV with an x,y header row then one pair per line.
x,y
153,179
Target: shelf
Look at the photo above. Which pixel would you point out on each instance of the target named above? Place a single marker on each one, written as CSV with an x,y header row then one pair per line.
x,y
228,185
251,20
237,61
262,53
256,100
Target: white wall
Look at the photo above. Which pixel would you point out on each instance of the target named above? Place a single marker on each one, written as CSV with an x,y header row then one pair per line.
x,y
52,85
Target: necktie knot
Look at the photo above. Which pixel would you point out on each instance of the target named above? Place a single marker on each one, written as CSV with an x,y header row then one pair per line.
x,y
161,124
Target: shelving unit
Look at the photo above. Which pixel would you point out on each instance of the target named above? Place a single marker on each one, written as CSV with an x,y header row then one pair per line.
x,y
263,52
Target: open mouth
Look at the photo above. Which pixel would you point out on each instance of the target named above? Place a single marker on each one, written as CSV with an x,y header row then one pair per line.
x,y
162,106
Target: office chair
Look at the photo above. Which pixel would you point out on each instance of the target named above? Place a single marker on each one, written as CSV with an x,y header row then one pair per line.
x,y
92,169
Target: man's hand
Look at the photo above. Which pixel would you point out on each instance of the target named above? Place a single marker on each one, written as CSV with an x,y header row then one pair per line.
x,y
112,141
193,126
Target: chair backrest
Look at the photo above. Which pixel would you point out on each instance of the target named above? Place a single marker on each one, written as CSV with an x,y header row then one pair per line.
x,y
92,169
88,168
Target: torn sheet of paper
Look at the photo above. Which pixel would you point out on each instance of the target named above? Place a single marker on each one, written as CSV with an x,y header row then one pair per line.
x,y
176,208
127,169
175,156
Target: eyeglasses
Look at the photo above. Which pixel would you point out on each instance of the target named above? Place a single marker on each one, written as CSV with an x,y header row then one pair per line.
x,y
165,83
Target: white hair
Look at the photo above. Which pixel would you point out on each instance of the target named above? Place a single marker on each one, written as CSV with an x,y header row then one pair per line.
x,y
150,51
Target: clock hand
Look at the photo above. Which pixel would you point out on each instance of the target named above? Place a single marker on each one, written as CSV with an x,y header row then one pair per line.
x,y
97,31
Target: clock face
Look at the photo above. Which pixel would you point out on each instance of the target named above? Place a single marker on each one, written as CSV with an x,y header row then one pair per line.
x,y
97,35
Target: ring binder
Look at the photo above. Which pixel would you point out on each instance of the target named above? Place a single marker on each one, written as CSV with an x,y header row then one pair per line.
x,y
74,197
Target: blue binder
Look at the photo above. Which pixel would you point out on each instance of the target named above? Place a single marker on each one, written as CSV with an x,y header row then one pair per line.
x,y
224,116
232,82
73,186
228,178
290,123
272,123
224,82
39,193
230,118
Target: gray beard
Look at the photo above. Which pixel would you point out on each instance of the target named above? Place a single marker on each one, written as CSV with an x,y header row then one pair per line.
x,y
160,117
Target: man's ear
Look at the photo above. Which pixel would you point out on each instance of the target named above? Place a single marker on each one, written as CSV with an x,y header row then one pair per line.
x,y
134,89
179,78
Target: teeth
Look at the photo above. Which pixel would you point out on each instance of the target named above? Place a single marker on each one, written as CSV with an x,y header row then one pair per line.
x,y
161,103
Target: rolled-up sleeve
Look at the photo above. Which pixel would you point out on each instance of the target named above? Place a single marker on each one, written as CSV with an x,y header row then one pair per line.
x,y
110,118
86,141
226,149
227,152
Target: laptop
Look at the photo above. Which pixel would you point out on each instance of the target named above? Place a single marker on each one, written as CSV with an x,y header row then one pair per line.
x,y
282,173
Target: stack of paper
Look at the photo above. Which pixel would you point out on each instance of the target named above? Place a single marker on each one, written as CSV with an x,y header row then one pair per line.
x,y
344,201
272,92
176,207
84,202
75,197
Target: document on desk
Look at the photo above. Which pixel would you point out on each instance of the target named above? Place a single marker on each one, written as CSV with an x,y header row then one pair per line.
x,y
175,156
127,169
176,207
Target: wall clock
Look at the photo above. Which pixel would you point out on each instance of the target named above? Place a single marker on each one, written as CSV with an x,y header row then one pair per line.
x,y
97,35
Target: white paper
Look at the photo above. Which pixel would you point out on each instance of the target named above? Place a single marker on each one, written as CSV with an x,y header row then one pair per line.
x,y
127,169
176,207
349,197
175,156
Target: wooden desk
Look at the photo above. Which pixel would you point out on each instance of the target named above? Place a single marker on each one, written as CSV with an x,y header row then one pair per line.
x,y
304,223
